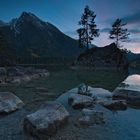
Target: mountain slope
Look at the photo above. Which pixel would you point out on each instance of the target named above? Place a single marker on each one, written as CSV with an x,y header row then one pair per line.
x,y
29,36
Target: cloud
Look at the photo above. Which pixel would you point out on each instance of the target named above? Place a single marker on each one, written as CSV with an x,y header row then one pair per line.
x,y
105,30
134,18
134,31
135,40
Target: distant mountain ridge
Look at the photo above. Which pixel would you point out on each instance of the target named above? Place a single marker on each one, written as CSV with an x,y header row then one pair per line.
x,y
29,36
133,56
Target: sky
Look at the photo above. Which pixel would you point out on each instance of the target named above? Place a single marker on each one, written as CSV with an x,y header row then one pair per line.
x,y
65,14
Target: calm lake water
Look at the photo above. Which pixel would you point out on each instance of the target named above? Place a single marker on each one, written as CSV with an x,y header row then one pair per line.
x,y
121,125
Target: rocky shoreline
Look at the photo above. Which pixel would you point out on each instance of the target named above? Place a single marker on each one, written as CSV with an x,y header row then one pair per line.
x,y
77,108
18,74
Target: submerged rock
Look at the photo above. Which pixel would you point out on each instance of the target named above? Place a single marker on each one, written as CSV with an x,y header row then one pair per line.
x,y
91,117
42,89
84,120
46,121
9,102
115,104
78,101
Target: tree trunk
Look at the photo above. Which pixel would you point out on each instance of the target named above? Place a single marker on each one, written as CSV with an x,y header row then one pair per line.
x,y
87,36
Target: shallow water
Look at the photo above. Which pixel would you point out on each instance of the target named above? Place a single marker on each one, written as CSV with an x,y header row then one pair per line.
x,y
121,125
132,82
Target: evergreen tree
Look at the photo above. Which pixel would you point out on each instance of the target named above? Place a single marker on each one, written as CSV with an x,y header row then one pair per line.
x,y
5,54
88,29
118,32
3,45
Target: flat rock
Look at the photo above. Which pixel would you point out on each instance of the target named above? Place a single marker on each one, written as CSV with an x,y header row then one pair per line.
x,y
126,94
129,90
132,97
9,102
46,121
78,101
115,105
99,93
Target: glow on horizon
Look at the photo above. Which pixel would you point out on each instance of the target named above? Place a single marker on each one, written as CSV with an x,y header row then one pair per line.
x,y
104,40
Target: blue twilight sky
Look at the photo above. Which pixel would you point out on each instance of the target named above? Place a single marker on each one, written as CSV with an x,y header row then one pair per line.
x,y
65,14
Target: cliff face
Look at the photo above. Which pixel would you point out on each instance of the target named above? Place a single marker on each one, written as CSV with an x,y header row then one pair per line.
x,y
108,57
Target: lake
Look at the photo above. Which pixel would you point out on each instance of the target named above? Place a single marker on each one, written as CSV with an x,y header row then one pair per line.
x,y
121,125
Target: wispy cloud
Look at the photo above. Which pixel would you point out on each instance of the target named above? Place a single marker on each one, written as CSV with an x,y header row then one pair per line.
x,y
134,18
135,40
105,30
134,31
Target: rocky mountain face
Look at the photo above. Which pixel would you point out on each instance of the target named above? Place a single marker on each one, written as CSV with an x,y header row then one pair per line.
x,y
30,37
108,57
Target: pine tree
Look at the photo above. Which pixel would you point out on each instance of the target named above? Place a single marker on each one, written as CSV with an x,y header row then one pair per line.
x,y
118,32
5,53
88,29
3,45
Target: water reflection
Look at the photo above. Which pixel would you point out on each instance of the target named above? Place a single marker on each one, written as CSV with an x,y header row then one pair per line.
x,y
133,71
132,82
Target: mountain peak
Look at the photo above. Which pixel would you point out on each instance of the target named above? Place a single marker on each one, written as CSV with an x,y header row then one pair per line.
x,y
28,16
28,19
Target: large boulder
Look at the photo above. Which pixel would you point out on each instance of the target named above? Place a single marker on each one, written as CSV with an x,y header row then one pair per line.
x,y
126,94
115,105
46,121
9,102
78,101
131,96
129,90
109,57
99,93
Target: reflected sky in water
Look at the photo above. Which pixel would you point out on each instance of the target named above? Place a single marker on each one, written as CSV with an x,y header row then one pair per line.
x,y
132,82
